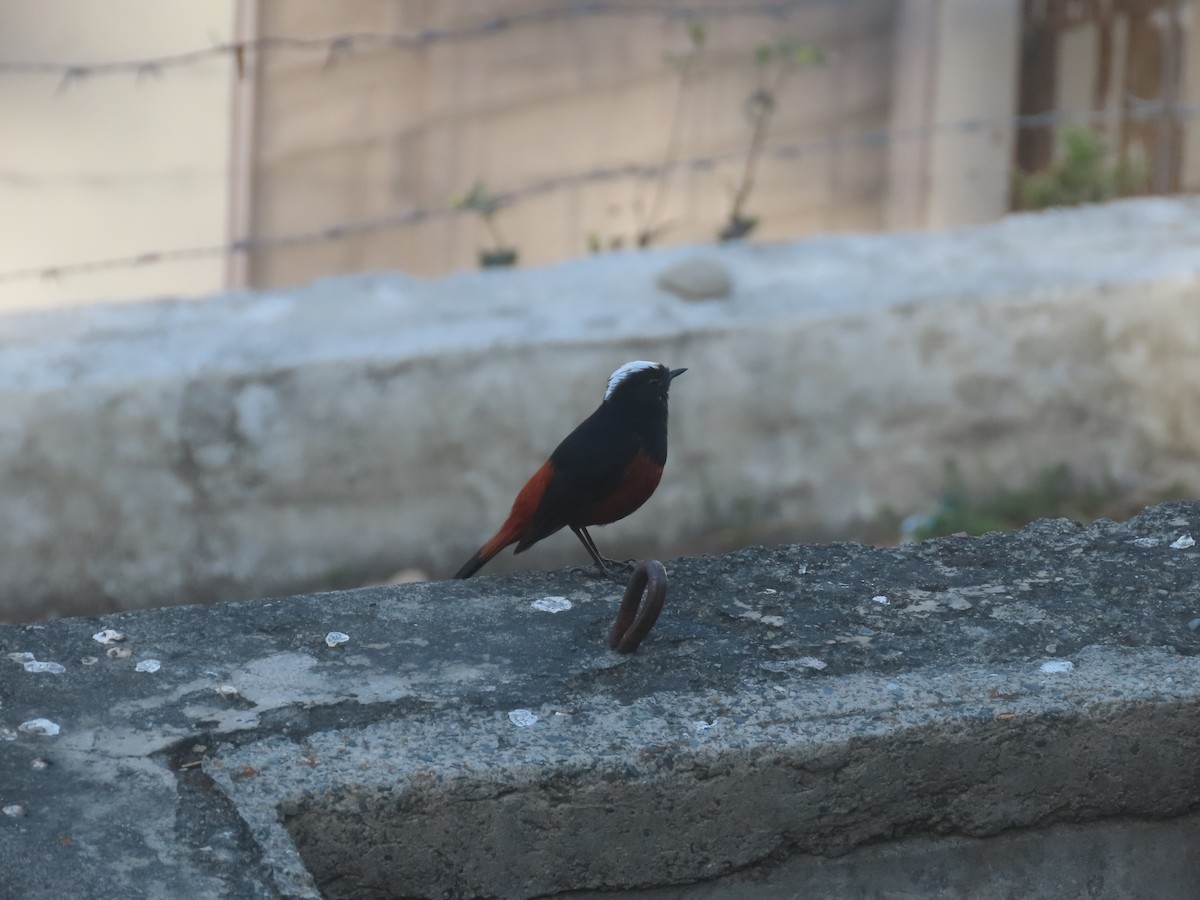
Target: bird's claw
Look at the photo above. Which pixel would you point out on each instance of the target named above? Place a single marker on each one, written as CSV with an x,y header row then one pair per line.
x,y
624,566
611,570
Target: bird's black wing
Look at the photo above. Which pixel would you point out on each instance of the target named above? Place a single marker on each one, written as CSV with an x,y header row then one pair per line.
x,y
587,465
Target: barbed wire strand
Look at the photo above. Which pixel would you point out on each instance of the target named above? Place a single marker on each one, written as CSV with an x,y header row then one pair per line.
x,y
1145,111
336,46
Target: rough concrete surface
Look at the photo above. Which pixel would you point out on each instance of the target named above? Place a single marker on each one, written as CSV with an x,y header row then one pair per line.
x,y
258,443
1012,715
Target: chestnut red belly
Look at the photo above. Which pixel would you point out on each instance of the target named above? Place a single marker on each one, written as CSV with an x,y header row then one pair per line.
x,y
634,488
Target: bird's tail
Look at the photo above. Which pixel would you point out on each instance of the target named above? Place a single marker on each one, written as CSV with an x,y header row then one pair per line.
x,y
502,539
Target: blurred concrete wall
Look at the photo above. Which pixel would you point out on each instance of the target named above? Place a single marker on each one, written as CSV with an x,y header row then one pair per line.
x,y
259,443
106,165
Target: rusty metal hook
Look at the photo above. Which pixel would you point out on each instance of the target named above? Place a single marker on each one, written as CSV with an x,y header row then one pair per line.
x,y
635,618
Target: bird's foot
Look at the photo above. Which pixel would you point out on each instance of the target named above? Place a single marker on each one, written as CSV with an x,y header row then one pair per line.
x,y
611,570
620,566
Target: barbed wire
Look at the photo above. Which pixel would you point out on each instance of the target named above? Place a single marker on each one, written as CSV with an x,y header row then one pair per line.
x,y
1143,111
337,46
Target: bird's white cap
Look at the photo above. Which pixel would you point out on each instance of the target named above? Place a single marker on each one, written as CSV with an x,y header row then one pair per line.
x,y
638,365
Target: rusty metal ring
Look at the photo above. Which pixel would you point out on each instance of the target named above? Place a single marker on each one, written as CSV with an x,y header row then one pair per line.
x,y
635,618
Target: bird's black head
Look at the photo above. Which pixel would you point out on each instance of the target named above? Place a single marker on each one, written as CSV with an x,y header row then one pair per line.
x,y
640,383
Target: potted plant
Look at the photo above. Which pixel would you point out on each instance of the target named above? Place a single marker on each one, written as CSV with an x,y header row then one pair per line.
x,y
486,205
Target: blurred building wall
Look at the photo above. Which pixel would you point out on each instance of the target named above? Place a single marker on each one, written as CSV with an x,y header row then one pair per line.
x,y
357,135
287,139
97,166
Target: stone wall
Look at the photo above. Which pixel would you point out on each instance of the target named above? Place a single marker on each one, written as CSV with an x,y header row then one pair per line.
x,y
255,443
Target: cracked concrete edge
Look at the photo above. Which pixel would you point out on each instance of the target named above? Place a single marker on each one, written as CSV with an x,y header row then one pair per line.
x,y
455,658
805,721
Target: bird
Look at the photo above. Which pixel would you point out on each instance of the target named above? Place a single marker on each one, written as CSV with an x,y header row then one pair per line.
x,y
601,472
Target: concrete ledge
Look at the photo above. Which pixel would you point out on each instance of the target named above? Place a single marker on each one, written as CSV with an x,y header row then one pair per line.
x,y
1020,716
257,444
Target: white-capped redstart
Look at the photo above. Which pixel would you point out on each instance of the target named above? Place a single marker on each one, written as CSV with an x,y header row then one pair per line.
x,y
604,469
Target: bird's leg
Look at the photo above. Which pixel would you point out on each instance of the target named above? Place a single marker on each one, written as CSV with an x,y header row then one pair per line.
x,y
606,566
590,546
624,565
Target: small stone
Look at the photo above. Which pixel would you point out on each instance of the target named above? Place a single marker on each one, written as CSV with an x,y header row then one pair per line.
x,y
1183,543
14,810
522,718
336,638
1057,667
881,600
88,660
696,278
552,604
811,662
38,763
108,636
228,691
118,652
1146,542
21,657
39,726
1194,625
148,665
408,576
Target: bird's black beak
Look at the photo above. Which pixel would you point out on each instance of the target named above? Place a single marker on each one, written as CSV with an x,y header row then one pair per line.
x,y
675,373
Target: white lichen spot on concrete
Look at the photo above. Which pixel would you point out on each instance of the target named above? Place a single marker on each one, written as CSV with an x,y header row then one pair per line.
x,y
552,604
959,604
1056,667
39,726
108,636
755,615
881,600
1183,542
51,667
522,718
923,608
336,638
1146,542
148,665
787,665
702,725
13,810
21,657
7,734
